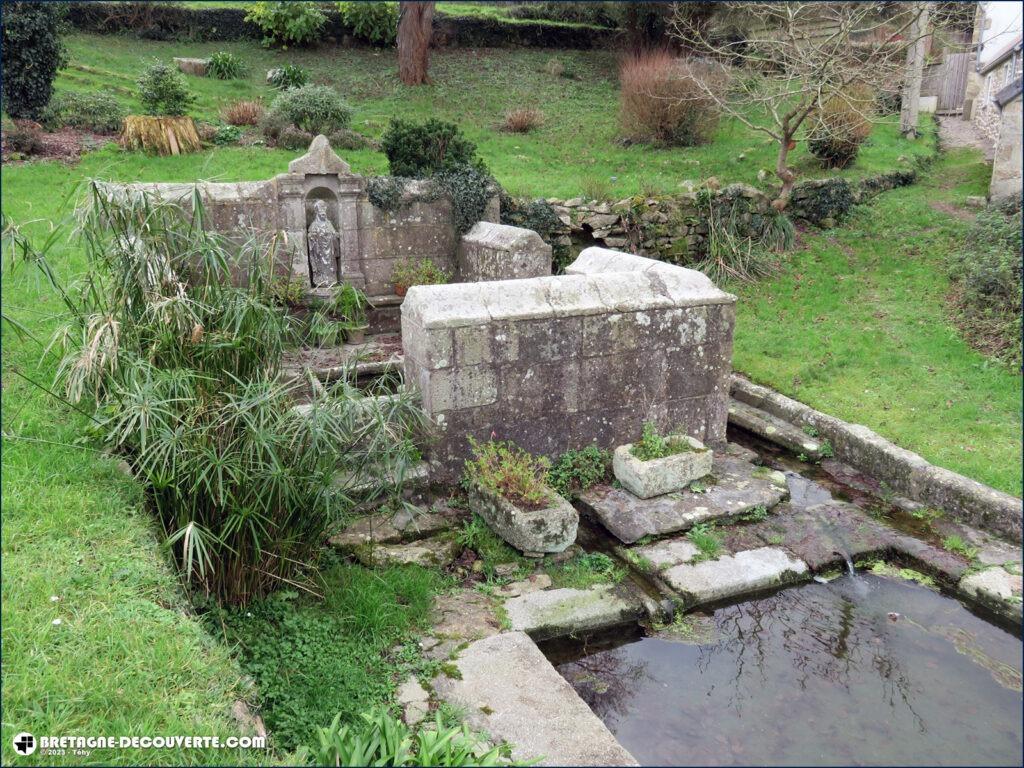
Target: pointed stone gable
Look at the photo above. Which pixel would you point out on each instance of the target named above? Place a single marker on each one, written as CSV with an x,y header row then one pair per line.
x,y
319,160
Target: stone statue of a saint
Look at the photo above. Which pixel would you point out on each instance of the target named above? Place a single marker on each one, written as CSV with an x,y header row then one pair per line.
x,y
320,239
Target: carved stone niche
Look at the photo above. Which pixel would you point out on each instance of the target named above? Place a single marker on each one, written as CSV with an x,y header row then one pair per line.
x,y
321,183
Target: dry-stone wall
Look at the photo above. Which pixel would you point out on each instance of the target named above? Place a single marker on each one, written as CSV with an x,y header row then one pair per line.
x,y
556,363
674,228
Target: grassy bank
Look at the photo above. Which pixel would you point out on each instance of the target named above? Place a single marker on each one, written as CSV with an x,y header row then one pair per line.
x,y
575,152
97,637
858,325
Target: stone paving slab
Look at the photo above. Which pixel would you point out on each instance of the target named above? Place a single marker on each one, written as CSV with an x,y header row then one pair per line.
x,y
734,576
559,612
740,486
774,429
998,589
430,553
510,691
393,527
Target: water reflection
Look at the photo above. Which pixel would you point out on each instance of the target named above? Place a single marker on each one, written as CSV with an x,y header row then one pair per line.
x,y
862,673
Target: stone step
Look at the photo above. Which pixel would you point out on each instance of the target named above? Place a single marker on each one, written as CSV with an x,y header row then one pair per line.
x,y
551,613
739,486
509,690
774,429
728,577
404,525
436,552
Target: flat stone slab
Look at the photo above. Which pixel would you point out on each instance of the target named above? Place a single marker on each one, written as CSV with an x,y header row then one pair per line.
x,y
559,612
740,486
733,576
774,429
394,527
510,691
430,553
665,554
998,589
464,615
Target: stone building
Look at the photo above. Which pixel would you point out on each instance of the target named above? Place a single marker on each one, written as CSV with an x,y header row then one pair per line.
x,y
996,74
1006,166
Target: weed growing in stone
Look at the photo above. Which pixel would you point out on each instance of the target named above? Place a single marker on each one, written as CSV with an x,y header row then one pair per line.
x,y
756,515
810,430
826,450
955,544
587,570
926,514
704,537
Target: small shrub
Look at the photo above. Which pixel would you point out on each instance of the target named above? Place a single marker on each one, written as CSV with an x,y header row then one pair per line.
x,y
288,76
32,52
287,23
840,126
651,445
522,120
225,66
311,108
227,134
419,150
505,469
294,138
409,272
538,215
988,286
163,90
373,22
24,136
244,112
349,139
96,112
576,471
382,739
662,100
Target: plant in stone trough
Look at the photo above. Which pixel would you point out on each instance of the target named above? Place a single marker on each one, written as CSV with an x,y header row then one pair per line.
x,y
652,445
507,470
183,367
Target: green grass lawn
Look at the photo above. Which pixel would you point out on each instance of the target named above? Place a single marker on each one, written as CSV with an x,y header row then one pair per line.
x,y
574,152
857,326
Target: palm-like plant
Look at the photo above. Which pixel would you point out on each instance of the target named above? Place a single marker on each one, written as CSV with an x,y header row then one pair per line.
x,y
182,366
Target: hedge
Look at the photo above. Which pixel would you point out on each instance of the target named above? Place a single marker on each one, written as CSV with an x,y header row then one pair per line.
x,y
163,21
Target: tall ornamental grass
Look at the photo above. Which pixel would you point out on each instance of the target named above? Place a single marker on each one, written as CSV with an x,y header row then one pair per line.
x,y
179,368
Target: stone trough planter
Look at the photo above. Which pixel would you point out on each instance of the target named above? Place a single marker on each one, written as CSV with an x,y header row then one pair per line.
x,y
657,477
531,531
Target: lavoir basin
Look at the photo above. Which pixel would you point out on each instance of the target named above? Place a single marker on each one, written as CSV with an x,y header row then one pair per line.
x,y
862,670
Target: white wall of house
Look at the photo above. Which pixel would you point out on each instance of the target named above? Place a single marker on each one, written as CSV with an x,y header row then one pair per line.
x,y
1002,23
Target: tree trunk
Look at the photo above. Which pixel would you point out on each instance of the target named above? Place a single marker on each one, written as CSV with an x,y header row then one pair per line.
x,y
911,96
414,30
783,172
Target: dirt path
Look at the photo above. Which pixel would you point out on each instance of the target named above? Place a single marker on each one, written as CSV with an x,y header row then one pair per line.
x,y
955,133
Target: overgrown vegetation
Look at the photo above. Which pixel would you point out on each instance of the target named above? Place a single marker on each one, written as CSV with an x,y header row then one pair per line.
x,y
286,24
33,52
840,126
408,272
182,368
575,471
987,274
314,660
586,570
97,112
372,22
379,738
505,469
421,150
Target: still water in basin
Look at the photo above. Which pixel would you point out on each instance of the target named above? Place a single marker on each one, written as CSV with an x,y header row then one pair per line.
x,y
864,670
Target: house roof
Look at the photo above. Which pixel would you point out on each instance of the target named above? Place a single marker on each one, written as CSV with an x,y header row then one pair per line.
x,y
1003,54
1009,93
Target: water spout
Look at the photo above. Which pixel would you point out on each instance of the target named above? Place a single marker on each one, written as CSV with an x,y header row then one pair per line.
x,y
849,562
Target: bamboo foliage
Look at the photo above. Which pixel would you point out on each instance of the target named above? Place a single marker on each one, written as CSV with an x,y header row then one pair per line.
x,y
161,135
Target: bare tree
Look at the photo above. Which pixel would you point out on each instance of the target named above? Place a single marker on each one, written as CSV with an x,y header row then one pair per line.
x,y
414,30
793,58
911,96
